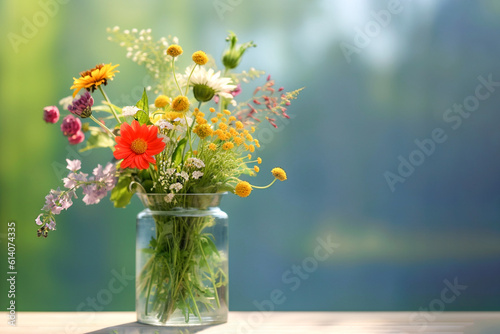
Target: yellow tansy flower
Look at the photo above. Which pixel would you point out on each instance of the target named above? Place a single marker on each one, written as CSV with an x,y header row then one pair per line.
x,y
256,169
233,132
214,119
251,148
212,147
222,126
227,146
227,112
239,125
200,120
211,109
238,141
232,119
259,160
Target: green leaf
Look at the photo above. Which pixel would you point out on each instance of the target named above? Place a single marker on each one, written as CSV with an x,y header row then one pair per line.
x,y
120,194
142,117
98,139
179,150
143,103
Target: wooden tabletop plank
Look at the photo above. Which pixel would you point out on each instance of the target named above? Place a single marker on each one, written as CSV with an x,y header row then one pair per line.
x,y
262,323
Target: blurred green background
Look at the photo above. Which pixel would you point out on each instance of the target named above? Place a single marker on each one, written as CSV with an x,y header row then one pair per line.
x,y
375,84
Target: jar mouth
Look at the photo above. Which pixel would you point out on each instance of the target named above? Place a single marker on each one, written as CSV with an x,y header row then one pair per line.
x,y
167,202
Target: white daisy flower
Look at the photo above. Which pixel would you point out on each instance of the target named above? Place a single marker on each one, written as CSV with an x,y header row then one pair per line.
x,y
208,83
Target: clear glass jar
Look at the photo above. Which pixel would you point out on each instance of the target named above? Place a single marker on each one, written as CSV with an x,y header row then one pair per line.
x,y
181,260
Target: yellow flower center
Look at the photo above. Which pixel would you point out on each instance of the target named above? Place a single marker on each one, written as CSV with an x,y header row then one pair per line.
x,y
139,146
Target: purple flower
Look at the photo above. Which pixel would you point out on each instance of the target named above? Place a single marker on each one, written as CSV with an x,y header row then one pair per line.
x,y
236,91
56,201
77,138
82,106
51,114
104,180
38,221
74,165
70,125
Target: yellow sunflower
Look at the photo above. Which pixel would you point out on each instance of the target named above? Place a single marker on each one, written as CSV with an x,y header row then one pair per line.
x,y
94,77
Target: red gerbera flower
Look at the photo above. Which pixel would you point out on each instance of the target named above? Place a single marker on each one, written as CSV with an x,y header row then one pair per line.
x,y
137,145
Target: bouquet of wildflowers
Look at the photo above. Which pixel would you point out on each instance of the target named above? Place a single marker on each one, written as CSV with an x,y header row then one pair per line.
x,y
186,135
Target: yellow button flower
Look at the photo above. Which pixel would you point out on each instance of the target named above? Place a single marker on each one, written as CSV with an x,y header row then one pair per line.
x,y
200,58
180,103
243,189
279,173
174,50
203,130
161,101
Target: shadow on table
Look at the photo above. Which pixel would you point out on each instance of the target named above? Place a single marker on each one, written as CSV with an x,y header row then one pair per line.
x,y
138,328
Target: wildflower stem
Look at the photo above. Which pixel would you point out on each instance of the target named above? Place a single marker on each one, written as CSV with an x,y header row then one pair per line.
x,y
270,184
103,126
175,78
189,78
110,105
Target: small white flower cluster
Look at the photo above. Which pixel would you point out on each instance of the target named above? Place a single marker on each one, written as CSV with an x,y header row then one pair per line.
x,y
143,50
173,180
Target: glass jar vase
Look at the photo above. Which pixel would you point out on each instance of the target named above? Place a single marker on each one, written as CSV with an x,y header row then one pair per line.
x,y
181,260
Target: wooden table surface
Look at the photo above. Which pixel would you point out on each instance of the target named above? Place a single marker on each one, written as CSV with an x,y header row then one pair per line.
x,y
263,322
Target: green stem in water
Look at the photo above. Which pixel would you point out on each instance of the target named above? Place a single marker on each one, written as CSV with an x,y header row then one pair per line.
x,y
110,105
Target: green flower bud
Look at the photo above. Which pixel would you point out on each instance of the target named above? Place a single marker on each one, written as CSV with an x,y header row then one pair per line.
x,y
232,56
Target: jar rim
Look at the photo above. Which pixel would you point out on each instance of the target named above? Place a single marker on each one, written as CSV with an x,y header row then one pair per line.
x,y
162,201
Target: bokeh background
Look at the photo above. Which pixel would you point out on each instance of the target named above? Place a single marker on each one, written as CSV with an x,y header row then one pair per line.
x,y
373,88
